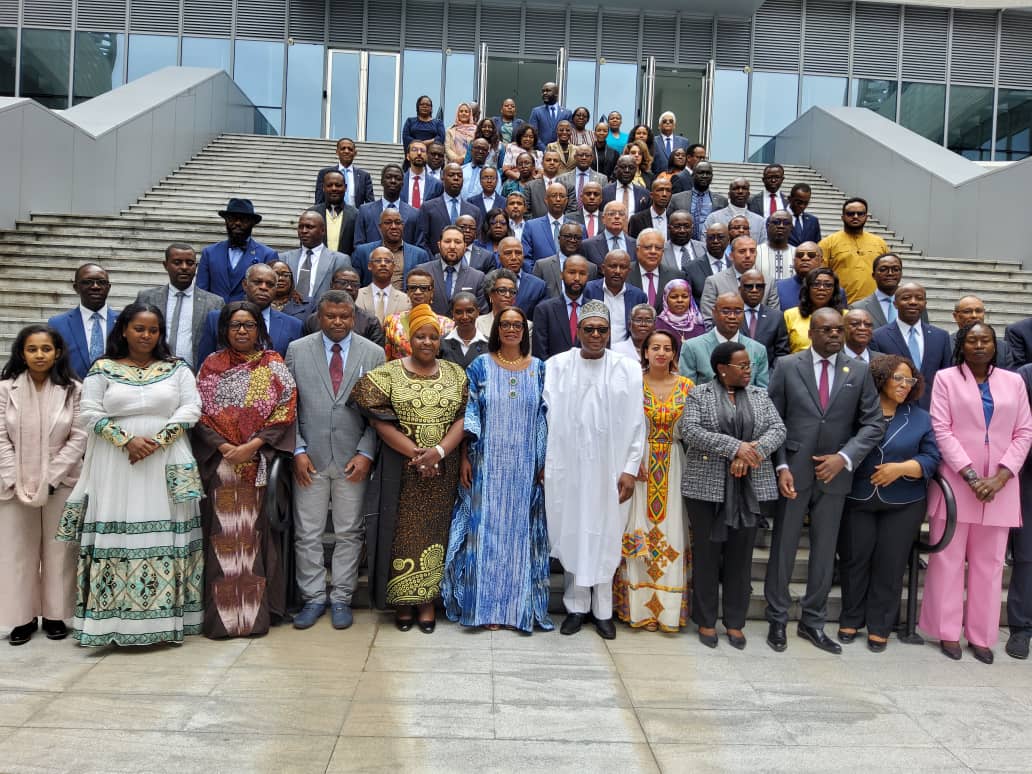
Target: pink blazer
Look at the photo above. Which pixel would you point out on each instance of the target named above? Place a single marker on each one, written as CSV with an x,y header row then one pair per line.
x,y
960,432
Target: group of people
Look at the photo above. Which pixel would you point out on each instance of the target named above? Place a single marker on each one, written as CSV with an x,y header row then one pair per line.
x,y
634,383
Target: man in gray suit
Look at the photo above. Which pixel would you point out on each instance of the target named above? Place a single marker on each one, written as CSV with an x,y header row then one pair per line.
x,y
580,176
887,270
332,458
313,264
833,416
451,274
743,258
185,305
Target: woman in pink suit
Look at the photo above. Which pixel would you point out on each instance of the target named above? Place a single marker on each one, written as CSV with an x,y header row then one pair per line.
x,y
983,427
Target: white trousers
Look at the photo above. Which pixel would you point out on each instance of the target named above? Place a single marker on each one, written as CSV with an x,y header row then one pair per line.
x,y
577,599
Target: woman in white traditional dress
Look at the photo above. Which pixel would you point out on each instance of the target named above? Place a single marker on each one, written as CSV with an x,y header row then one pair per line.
x,y
134,509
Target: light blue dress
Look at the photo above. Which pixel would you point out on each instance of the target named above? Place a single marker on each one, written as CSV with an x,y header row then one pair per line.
x,y
497,566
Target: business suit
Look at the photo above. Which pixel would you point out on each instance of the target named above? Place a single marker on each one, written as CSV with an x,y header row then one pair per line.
x,y
530,292
434,216
874,307
682,181
1019,592
430,188
770,332
1019,341
414,256
640,197
516,124
694,361
466,278
598,247
203,303
367,224
727,282
757,224
283,329
551,333
760,203
548,270
538,240
346,235
535,191
397,302
673,260
331,434
366,326
851,424
683,201
640,221
478,201
807,228
566,155
363,185
660,157
594,291
569,179
937,352
330,263
69,325
544,122
662,276
697,272
451,350
215,275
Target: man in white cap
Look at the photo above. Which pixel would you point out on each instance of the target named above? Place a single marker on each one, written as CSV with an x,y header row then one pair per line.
x,y
596,440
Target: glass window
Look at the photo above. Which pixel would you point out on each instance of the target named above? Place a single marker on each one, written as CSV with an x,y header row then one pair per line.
x,y
206,52
971,122
148,53
345,70
458,83
773,106
258,70
304,90
617,90
922,109
822,91
1013,125
877,95
44,66
420,74
382,98
99,57
580,86
8,50
730,93
267,120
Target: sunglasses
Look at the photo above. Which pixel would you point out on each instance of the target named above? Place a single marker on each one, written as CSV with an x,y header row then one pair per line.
x,y
595,330
754,285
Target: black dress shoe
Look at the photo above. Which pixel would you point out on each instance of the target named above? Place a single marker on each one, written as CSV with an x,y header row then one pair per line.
x,y
819,639
737,642
1017,644
56,630
606,628
950,650
846,637
22,634
427,627
985,655
572,624
709,640
403,624
776,637
876,646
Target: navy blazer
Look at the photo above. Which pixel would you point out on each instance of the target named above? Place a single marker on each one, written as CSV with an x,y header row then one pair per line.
x,y
937,353
788,294
908,436
367,225
1019,340
215,275
434,216
538,241
363,185
632,297
596,248
544,125
532,291
432,188
551,334
770,332
807,229
642,198
517,122
283,329
478,202
360,259
660,159
682,181
69,325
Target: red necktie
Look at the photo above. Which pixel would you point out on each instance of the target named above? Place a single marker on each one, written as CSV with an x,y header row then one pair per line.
x,y
823,391
415,192
652,288
773,205
573,321
336,368
591,225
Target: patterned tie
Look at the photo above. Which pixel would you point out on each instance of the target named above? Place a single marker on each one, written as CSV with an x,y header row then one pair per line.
x,y
580,184
652,288
573,321
555,234
304,277
449,281
627,200
173,331
96,337
336,368
823,390
616,243
454,210
684,257
697,215
914,347
416,198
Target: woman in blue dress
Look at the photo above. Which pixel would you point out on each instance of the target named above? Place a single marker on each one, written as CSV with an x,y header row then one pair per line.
x,y
497,571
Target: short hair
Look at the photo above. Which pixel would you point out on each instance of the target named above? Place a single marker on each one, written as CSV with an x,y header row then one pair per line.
x,y
721,355
874,263
61,374
884,366
854,200
418,272
775,165
228,311
87,265
800,188
387,167
255,267
691,148
335,297
643,308
462,295
516,193
494,341
178,246
496,274
452,227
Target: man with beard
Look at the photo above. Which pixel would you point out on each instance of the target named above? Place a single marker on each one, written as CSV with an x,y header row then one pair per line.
x,y
224,264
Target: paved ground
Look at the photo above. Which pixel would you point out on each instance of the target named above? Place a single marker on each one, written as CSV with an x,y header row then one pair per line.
x,y
375,699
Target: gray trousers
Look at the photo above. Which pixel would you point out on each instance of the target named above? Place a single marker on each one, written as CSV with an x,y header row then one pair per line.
x,y
329,490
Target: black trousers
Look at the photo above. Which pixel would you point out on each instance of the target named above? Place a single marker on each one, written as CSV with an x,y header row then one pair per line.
x,y
874,545
731,560
1019,592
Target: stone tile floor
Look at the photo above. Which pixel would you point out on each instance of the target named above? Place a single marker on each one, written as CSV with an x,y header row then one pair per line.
x,y
374,699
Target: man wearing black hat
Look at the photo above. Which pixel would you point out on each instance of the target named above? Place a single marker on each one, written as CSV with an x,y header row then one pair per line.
x,y
224,264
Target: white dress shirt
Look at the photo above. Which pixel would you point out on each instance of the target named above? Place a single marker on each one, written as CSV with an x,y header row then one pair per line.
x,y
517,228
477,336
184,334
422,185
316,254
618,196
865,356
659,222
617,318
87,323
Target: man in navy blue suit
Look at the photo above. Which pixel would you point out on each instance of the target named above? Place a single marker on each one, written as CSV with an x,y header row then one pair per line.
x,y
555,319
391,237
224,264
805,227
367,225
437,213
260,288
666,142
539,234
418,186
358,182
85,328
530,290
618,296
544,118
926,345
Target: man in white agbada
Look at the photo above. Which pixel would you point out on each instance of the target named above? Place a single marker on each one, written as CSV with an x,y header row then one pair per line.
x,y
596,439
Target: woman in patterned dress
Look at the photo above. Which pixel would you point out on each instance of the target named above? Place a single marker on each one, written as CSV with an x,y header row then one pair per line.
x,y
416,405
248,407
419,285
141,561
651,588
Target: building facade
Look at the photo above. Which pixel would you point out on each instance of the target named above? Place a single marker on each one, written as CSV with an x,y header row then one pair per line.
x,y
960,77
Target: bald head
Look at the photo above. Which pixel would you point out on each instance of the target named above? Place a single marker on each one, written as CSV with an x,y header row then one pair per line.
x,y
967,310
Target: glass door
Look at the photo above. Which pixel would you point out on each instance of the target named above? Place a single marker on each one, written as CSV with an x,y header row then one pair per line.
x,y
504,76
678,90
362,95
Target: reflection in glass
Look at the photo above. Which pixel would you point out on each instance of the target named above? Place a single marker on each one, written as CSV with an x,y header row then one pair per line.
x,y
8,49
519,79
345,68
971,122
98,64
267,120
148,53
922,109
773,103
458,84
421,74
206,52
730,93
44,66
258,71
1013,125
580,86
822,91
382,98
618,90
877,95
304,90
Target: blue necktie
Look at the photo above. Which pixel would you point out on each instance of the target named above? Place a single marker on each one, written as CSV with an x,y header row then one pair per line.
x,y
890,310
668,148
96,337
449,281
454,210
912,345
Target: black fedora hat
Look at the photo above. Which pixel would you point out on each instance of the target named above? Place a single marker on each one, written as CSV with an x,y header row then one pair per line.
x,y
241,207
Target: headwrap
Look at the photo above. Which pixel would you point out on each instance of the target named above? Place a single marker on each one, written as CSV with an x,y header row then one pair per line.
x,y
687,325
593,309
422,315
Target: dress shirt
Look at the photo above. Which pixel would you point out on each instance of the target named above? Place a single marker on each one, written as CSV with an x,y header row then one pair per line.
x,y
413,176
496,201
721,340
184,335
831,388
517,229
345,348
87,323
471,180
888,308
316,254
621,242
596,225
477,336
617,318
717,264
905,330
865,356
659,222
448,200
388,205
618,196
235,254
267,316
349,184
780,202
383,295
750,312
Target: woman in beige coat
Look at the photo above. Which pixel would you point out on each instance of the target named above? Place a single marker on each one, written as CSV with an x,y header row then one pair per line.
x,y
41,448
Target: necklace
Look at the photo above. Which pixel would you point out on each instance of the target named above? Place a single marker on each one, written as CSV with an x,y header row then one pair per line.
x,y
517,361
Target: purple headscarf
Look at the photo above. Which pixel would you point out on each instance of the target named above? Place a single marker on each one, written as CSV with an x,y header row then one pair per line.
x,y
687,325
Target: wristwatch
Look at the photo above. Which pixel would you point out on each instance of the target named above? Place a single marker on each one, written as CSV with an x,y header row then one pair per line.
x,y
970,476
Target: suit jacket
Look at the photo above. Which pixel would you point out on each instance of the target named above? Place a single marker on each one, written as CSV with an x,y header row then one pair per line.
x,y
478,202
535,193
548,270
544,125
1019,341
69,325
937,352
639,221
215,275
806,229
432,188
908,436
660,157
360,259
283,329
770,332
697,273
760,203
366,326
516,124
727,282
397,302
532,291
434,216
604,161
567,155
637,279
642,198
367,224
551,333
596,248
363,185
682,181
466,278
682,200
346,241
757,224
538,241
569,179
330,263
203,303
331,431
873,307
672,255
593,291
451,351
788,293
851,424
695,358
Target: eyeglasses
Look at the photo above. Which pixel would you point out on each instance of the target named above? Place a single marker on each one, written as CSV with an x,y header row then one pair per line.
x,y
741,366
715,237
855,213
509,292
827,330
823,285
246,326
595,330
421,288
860,324
93,283
754,285
730,312
883,269
806,254
505,325
780,222
345,284
909,381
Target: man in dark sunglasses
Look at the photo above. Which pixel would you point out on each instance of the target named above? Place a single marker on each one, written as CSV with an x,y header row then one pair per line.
x,y
850,253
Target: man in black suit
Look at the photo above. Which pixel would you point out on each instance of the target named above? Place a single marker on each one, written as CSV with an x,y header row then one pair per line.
x,y
1019,341
761,323
367,227
699,200
834,419
357,181
717,240
437,213
771,199
450,274
970,309
647,272
555,319
614,217
340,216
656,215
633,197
682,181
537,189
805,227
680,248
603,157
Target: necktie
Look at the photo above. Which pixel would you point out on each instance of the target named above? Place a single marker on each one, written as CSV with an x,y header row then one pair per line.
x,y
616,243
454,210
697,215
779,263
349,188
304,277
96,337
669,150
627,200
752,323
684,257
336,368
552,111
380,306
591,225
652,288
914,347
580,184
573,321
773,205
890,310
449,281
555,233
823,390
173,332
416,199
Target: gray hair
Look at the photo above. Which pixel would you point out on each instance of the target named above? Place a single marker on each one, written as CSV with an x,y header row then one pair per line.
x,y
644,308
493,276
